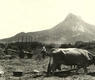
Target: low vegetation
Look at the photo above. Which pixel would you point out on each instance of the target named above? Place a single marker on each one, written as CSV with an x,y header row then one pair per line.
x,y
35,67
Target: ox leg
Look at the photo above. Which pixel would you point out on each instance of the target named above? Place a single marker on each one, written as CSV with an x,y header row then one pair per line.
x,y
77,68
49,70
53,68
85,69
58,67
74,66
71,66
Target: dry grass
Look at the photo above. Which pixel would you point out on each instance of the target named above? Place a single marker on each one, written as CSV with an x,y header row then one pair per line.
x,y
29,65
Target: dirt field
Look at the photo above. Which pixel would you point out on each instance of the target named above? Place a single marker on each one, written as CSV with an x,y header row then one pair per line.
x,y
28,66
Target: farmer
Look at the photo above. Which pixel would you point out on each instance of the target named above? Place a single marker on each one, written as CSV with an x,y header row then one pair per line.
x,y
43,51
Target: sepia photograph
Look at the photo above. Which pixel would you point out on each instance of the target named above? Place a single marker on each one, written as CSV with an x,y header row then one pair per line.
x,y
47,39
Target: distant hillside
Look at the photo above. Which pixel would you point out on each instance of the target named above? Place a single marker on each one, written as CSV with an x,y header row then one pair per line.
x,y
72,29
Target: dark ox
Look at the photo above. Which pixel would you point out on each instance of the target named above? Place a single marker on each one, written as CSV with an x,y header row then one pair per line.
x,y
70,56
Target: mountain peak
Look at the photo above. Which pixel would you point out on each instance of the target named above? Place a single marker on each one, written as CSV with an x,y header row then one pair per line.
x,y
70,21
72,17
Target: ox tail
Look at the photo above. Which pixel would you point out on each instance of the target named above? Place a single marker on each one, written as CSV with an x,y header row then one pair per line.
x,y
92,57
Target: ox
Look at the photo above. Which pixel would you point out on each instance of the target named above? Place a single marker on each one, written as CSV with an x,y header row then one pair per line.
x,y
70,56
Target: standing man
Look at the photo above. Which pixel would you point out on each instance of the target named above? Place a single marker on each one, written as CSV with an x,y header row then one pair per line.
x,y
43,51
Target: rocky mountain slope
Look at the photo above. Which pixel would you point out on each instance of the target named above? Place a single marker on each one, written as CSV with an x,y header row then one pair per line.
x,y
72,29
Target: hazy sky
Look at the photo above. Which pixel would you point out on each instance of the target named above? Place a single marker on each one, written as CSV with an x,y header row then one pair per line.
x,y
34,15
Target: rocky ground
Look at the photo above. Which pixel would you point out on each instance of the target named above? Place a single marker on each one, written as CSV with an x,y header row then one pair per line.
x,y
36,70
